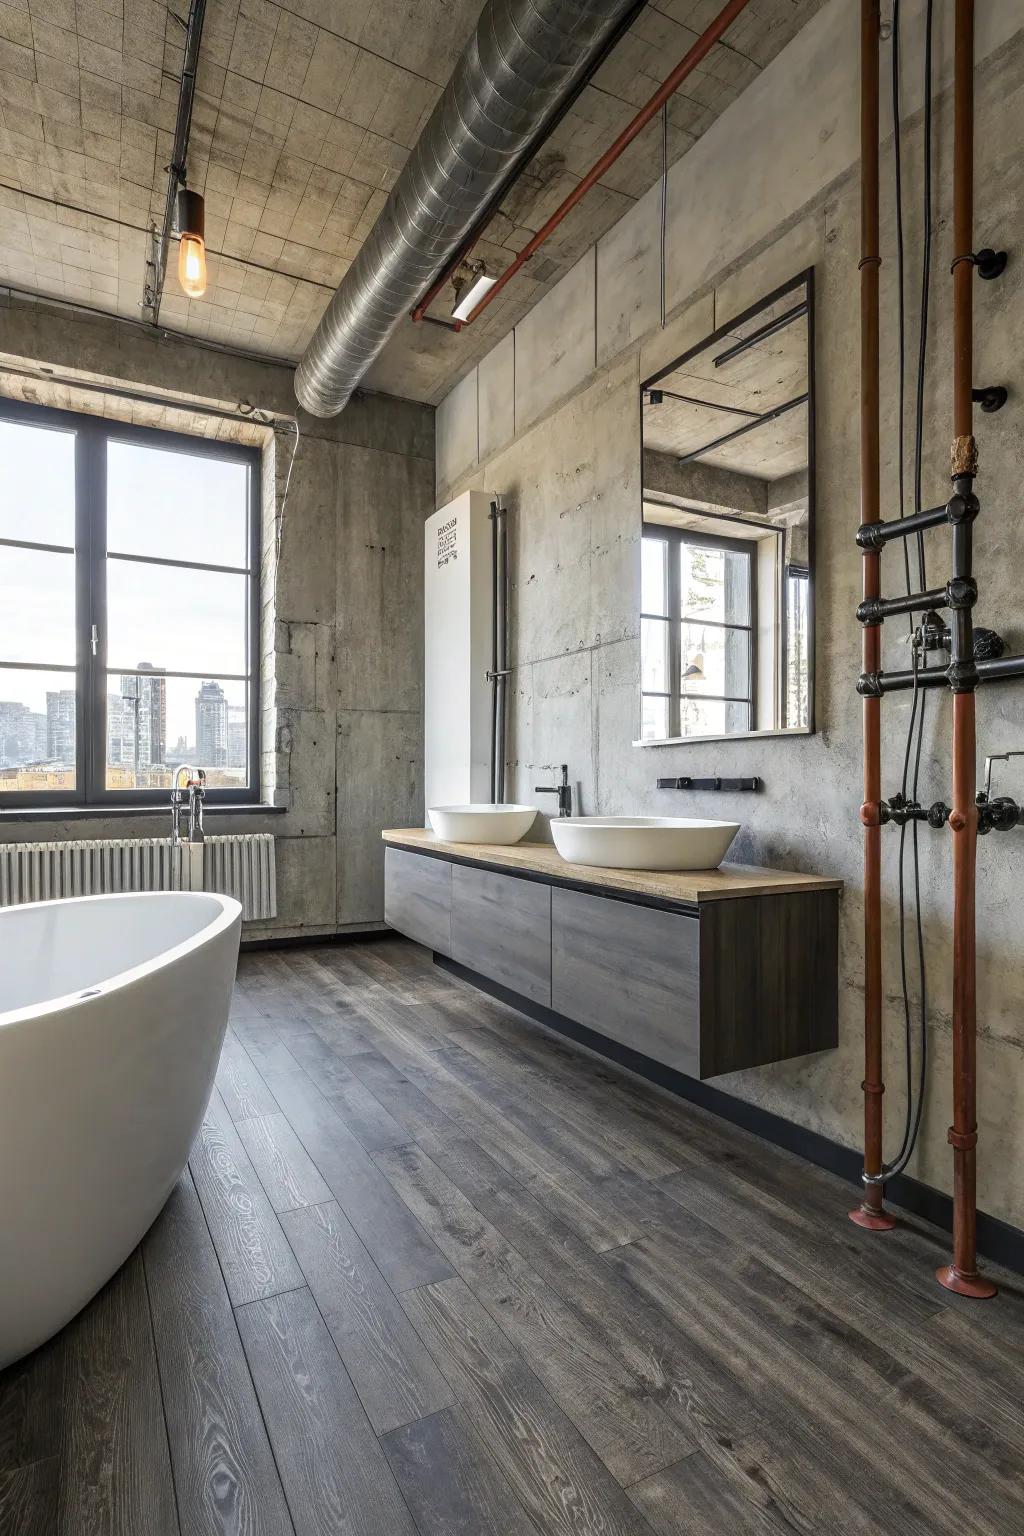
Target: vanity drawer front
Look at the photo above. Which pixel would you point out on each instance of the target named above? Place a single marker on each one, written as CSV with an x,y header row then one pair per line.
x,y
501,927
629,972
418,898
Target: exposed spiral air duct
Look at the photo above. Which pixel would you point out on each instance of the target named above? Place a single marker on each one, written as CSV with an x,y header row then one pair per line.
x,y
523,59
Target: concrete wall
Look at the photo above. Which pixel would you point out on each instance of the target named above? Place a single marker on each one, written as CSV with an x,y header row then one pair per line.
x,y
770,189
343,613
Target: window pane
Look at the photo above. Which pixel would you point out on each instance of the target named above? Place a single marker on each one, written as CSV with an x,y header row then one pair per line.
x,y
37,488
653,566
156,723
654,655
177,620
37,606
179,506
715,660
712,717
653,719
797,646
37,730
714,584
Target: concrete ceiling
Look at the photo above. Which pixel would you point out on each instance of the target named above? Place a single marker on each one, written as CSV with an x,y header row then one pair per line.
x,y
768,374
304,115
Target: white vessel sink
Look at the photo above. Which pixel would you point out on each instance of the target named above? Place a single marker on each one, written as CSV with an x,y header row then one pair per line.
x,y
482,823
643,842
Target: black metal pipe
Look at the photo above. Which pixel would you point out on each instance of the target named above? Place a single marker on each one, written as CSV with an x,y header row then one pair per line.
x,y
771,328
875,610
874,535
750,426
502,652
176,170
994,670
493,673
999,668
709,405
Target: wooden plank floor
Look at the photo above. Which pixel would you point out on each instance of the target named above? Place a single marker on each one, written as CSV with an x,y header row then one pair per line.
x,y
435,1272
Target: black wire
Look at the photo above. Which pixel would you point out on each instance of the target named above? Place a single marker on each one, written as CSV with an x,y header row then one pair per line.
x,y
901,322
926,270
915,728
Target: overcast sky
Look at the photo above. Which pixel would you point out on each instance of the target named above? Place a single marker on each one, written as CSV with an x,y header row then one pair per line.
x,y
160,503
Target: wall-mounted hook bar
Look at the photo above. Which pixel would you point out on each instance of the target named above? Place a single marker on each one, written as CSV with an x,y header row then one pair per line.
x,y
751,784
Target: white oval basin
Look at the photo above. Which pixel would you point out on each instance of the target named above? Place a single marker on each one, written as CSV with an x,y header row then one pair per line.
x,y
643,842
482,823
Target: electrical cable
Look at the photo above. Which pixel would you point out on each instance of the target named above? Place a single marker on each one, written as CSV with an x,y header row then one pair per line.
x,y
915,727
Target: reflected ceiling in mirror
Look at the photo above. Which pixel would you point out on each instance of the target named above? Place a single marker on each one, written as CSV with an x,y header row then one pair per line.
x,y
726,622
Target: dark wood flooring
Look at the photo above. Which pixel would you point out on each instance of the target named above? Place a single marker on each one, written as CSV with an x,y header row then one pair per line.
x,y
435,1272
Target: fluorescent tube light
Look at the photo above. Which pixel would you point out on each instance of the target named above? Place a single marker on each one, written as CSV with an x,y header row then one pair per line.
x,y
471,298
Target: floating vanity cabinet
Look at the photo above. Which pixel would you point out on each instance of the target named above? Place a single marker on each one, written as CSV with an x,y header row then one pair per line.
x,y
632,973
418,898
677,975
742,983
501,928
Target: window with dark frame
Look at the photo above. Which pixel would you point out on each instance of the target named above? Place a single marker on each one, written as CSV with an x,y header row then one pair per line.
x,y
129,611
698,633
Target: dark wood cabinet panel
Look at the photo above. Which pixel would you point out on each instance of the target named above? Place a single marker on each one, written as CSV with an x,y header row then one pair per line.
x,y
418,898
769,969
501,927
629,972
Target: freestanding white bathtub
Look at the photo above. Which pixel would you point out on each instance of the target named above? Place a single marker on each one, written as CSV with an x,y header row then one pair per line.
x,y
112,1017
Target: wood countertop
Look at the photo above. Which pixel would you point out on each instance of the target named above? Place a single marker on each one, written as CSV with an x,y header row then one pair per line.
x,y
542,859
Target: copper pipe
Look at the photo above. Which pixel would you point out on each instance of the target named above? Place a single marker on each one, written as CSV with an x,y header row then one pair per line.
x,y
701,48
962,1274
871,1213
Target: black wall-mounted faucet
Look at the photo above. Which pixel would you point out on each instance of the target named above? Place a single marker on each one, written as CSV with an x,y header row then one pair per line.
x,y
562,790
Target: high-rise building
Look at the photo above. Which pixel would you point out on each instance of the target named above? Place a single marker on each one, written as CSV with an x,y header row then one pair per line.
x,y
137,722
18,735
238,738
211,726
60,726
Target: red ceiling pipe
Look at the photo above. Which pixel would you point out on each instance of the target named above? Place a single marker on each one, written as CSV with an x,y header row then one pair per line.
x,y
871,1212
962,1274
700,50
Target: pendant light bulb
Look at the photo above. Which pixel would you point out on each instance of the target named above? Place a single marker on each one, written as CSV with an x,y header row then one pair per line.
x,y
191,243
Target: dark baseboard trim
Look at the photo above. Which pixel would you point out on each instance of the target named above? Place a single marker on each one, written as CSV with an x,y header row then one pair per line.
x,y
316,940
997,1239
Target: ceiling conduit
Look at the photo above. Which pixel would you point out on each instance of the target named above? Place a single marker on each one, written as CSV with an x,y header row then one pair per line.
x,y
523,59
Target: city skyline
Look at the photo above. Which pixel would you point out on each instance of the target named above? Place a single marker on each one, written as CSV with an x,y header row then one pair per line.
x,y
138,749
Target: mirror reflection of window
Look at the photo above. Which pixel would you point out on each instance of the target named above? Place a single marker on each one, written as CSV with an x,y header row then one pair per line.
x,y
726,638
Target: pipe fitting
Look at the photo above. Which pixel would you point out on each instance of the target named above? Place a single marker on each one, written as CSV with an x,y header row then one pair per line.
x,y
869,685
961,592
962,507
963,675
869,537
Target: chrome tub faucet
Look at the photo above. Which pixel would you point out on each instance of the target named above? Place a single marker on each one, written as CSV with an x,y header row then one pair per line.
x,y
187,794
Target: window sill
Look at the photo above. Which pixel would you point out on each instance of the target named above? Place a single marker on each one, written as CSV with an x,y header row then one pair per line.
x,y
120,812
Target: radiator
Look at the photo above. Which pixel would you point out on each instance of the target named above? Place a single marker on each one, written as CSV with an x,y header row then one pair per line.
x,y
241,866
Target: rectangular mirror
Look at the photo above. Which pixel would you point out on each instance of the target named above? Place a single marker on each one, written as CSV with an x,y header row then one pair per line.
x,y
727,554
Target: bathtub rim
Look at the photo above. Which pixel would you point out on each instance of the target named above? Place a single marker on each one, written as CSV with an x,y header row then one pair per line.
x,y
230,914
